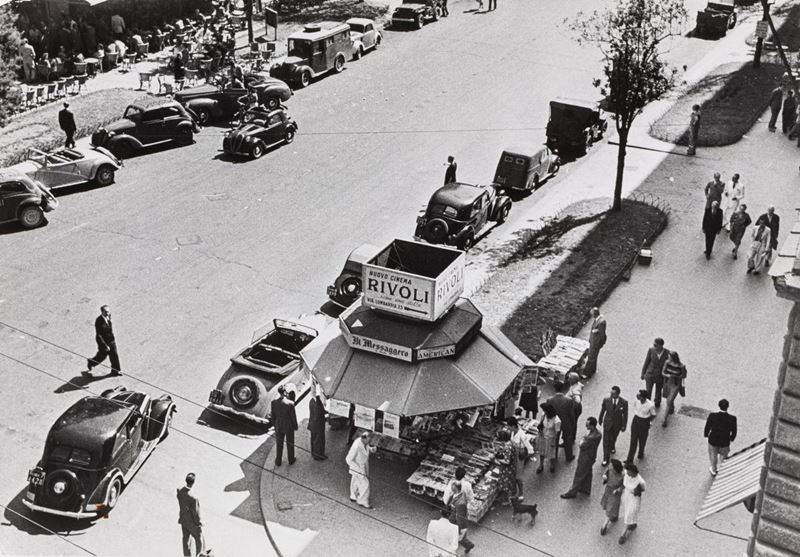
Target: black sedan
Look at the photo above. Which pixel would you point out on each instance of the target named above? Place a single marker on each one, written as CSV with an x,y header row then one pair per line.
x,y
260,129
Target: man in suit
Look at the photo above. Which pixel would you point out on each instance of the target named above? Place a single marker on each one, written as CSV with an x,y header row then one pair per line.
x,y
714,190
66,121
284,422
450,173
316,425
106,343
775,104
567,412
721,432
773,221
652,368
712,224
587,455
694,129
614,419
189,517
597,339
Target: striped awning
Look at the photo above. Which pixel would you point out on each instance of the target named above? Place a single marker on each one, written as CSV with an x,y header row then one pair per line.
x,y
737,480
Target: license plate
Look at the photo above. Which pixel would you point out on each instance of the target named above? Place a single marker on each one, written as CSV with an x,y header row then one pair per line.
x,y
420,220
331,291
36,476
215,397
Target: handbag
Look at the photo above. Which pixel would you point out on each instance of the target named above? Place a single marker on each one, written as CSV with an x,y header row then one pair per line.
x,y
682,390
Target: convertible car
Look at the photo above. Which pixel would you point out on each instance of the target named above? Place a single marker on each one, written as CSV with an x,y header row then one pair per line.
x,y
259,130
94,449
220,100
68,167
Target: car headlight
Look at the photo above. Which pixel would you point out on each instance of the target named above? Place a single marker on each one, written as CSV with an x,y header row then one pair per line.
x,y
227,133
249,138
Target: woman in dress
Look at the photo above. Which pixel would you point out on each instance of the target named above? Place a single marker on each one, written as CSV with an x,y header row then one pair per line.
x,y
612,494
549,428
740,220
506,457
731,198
633,486
759,248
674,372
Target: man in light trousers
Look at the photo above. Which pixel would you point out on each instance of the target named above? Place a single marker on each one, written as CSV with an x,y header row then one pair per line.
x,y
358,462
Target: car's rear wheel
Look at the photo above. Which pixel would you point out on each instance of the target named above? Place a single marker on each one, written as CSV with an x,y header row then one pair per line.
x,y
167,424
536,182
305,78
338,64
436,231
437,13
466,242
289,137
104,175
31,216
203,116
378,40
273,103
244,393
258,150
358,53
61,487
185,136
503,214
113,494
418,22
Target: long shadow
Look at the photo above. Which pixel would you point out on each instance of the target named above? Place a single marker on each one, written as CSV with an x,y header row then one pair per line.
x,y
11,228
80,382
250,483
24,520
234,425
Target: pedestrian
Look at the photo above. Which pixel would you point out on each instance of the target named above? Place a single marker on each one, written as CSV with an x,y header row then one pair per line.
x,y
506,456
28,54
445,12
66,121
529,400
587,455
189,517
774,223
613,480
575,390
789,111
316,425
758,255
644,412
117,26
597,339
284,423
549,431
721,432
480,5
740,220
459,516
178,70
712,224
567,412
106,343
522,444
450,173
714,190
674,376
775,103
492,5
652,368
466,487
633,486
614,419
694,129
731,198
358,462
442,536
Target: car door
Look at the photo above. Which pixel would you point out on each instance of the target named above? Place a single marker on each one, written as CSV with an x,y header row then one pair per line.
x,y
275,128
151,126
171,116
57,171
318,62
12,192
369,36
229,101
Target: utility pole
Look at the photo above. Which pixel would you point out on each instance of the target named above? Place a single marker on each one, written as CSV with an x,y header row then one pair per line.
x,y
760,40
778,44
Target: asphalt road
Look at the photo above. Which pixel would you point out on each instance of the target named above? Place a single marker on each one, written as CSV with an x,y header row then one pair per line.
x,y
194,251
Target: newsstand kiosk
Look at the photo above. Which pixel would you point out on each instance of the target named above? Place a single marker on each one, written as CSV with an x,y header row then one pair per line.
x,y
413,362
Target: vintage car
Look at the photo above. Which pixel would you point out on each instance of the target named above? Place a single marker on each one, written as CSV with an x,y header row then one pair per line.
x,y
457,213
217,100
416,12
364,34
525,167
251,382
69,167
143,126
260,130
716,18
347,287
94,449
574,125
316,50
24,199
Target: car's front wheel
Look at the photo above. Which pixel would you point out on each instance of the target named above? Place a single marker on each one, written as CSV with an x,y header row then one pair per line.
x,y
185,136
273,103
418,22
305,78
113,494
31,216
104,175
359,52
503,215
466,242
203,116
122,150
258,150
289,137
338,64
437,13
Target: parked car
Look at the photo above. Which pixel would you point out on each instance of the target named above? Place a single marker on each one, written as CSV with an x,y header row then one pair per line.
x,y
416,12
260,130
524,168
716,18
316,50
457,213
250,384
220,100
364,34
93,451
574,125
69,167
143,126
347,287
24,199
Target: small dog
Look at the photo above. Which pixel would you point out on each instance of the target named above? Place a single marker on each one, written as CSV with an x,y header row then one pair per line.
x,y
520,510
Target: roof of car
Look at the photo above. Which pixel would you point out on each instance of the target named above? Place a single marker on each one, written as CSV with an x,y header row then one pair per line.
x,y
357,20
524,150
144,104
457,194
92,419
10,174
592,105
326,29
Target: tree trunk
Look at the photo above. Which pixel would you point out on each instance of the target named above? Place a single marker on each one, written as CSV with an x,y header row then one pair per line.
x,y
623,144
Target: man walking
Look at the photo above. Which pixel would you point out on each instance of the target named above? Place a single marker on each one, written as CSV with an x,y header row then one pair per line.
x,y
450,173
643,413
106,343
492,5
789,111
775,103
358,462
597,339
189,517
714,190
284,422
567,412
614,419
466,487
694,130
66,121
587,455
773,222
445,12
712,224
721,432
652,368
316,426
28,54
442,536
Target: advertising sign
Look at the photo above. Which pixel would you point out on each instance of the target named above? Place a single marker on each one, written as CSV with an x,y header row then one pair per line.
x,y
762,27
364,417
339,407
438,352
376,346
391,425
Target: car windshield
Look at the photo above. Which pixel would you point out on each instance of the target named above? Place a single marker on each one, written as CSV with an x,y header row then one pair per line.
x,y
358,27
257,118
299,48
132,112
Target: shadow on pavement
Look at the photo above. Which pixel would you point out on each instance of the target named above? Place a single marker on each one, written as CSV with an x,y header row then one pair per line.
x,y
231,424
250,482
18,516
79,382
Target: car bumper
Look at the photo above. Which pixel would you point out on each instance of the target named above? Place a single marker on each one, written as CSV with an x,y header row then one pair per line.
x,y
80,515
403,19
239,413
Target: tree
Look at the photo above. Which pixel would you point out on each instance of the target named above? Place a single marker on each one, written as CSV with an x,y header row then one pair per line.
x,y
630,36
9,63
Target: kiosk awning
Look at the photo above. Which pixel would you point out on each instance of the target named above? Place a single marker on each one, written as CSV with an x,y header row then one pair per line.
x,y
737,479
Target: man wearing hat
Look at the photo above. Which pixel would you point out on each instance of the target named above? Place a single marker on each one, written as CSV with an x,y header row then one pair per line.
x,y
66,120
284,423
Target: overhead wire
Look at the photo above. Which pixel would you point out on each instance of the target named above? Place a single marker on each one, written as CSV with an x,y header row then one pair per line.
x,y
46,529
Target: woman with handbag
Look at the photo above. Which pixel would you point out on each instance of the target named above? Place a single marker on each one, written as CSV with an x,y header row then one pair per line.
x,y
674,372
613,493
633,486
506,458
549,429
